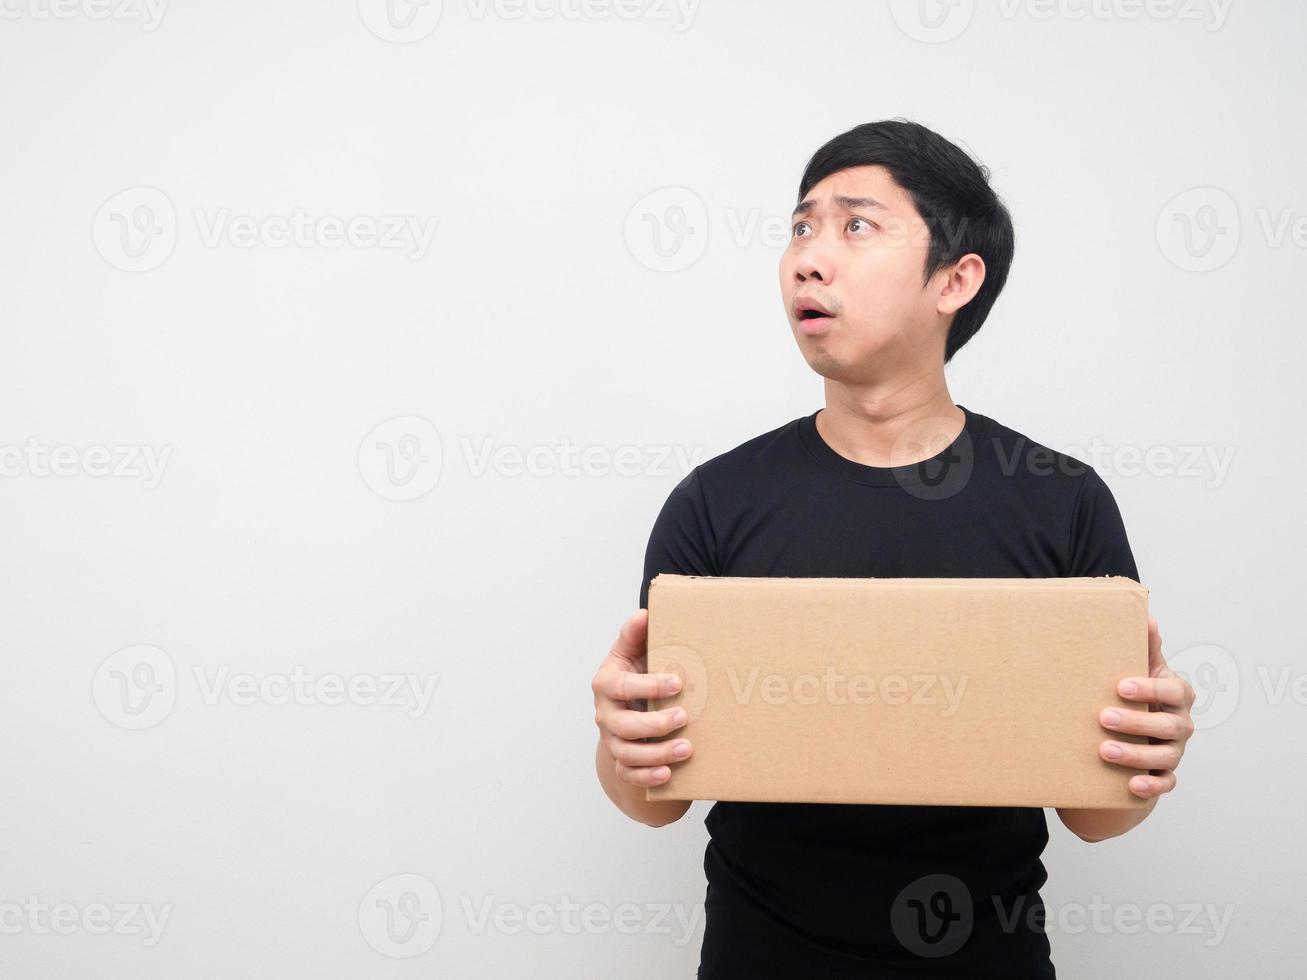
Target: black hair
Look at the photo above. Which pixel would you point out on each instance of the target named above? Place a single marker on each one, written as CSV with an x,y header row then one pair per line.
x,y
951,192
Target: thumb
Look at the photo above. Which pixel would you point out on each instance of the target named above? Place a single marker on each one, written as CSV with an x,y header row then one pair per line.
x,y
631,645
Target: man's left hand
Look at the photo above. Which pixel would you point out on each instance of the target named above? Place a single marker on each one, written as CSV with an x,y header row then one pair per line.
x,y
1165,719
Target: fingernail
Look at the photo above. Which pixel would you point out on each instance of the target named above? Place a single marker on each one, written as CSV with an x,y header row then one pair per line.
x,y
1112,717
661,773
673,684
1112,750
681,750
1129,687
678,716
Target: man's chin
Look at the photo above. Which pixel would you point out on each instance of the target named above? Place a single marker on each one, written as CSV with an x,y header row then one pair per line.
x,y
829,366
822,355
833,360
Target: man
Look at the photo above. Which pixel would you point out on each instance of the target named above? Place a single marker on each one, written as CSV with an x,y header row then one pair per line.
x,y
899,249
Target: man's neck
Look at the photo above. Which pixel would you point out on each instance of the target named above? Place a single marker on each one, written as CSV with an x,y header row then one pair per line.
x,y
893,423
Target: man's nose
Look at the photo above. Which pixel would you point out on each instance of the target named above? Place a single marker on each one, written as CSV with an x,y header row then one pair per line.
x,y
813,269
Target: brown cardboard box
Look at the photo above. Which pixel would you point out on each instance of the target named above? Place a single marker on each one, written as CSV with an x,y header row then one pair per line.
x,y
980,692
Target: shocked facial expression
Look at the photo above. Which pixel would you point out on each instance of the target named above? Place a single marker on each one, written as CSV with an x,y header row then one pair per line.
x,y
851,278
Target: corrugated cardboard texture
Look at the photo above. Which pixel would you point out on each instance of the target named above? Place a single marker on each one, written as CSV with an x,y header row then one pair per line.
x,y
981,692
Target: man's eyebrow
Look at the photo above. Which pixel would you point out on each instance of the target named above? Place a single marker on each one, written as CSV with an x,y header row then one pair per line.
x,y
847,203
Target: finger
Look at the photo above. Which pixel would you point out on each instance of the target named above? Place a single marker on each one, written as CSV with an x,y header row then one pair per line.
x,y
631,643
642,775
1155,724
644,724
1137,756
627,685
1165,691
636,754
1155,659
1154,784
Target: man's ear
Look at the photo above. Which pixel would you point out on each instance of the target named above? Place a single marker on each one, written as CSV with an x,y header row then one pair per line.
x,y
961,281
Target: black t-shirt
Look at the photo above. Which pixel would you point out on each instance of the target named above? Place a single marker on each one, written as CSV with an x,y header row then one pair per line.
x,y
850,890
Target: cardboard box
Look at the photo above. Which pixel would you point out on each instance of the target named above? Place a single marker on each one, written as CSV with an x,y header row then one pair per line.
x,y
966,692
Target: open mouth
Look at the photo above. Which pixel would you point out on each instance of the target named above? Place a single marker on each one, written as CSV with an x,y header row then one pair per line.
x,y
813,318
807,309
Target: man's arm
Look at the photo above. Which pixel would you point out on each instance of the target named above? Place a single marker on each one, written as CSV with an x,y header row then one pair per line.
x,y
627,765
1165,718
1092,826
682,542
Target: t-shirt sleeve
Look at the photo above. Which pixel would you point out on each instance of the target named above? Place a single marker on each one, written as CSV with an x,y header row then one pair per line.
x,y
1099,545
682,540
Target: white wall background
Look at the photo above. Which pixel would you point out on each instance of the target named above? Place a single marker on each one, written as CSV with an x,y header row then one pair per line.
x,y
167,324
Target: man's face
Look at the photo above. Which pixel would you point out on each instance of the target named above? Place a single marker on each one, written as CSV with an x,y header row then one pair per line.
x,y
858,249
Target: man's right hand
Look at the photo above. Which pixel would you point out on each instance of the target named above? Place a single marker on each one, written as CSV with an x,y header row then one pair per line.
x,y
621,688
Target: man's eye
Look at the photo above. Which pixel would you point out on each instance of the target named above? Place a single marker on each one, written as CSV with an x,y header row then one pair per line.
x,y
856,221
800,228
